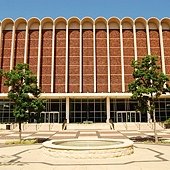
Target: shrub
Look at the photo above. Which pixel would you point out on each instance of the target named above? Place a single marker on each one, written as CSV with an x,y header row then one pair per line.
x,y
167,121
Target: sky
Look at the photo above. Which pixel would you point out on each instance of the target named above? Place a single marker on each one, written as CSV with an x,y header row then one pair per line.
x,y
81,8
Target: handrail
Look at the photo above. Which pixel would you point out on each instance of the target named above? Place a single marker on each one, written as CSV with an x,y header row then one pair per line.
x,y
64,125
111,124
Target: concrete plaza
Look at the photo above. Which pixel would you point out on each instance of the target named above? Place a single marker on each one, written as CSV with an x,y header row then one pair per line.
x,y
145,157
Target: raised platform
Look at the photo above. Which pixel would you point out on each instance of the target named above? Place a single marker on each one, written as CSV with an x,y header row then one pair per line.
x,y
92,126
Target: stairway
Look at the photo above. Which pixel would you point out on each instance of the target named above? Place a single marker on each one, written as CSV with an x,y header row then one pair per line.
x,y
137,126
33,127
92,126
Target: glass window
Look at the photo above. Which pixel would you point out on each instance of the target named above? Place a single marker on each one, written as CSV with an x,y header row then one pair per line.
x,y
84,107
97,107
90,106
120,106
133,105
77,106
87,109
55,107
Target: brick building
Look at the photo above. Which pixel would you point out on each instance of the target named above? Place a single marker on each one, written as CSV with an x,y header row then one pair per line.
x,y
83,66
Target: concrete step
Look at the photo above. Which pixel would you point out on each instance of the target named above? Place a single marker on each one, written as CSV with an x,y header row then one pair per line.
x,y
144,126
28,127
137,126
119,126
56,127
81,126
33,127
131,126
158,126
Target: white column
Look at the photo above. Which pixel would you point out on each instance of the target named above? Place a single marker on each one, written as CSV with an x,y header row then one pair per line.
x,y
67,109
108,109
94,55
122,59
81,58
12,48
148,39
39,56
162,49
26,45
108,58
66,72
52,61
135,44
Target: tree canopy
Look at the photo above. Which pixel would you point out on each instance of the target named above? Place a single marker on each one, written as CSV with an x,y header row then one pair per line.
x,y
23,92
149,83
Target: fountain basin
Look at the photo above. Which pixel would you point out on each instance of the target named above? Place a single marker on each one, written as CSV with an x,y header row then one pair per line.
x,y
88,148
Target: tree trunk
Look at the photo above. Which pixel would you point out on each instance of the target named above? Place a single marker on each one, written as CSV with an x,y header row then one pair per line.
x,y
20,131
155,133
152,110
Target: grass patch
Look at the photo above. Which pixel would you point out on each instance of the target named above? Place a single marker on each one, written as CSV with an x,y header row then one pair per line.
x,y
23,142
159,142
28,141
149,140
166,141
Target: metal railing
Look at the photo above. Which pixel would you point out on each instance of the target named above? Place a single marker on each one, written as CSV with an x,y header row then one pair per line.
x,y
64,125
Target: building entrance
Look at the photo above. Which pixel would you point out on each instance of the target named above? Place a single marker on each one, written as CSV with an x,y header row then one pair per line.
x,y
93,110
50,117
128,116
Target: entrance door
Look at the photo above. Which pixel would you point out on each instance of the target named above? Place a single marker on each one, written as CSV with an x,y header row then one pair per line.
x,y
128,116
119,117
50,117
124,117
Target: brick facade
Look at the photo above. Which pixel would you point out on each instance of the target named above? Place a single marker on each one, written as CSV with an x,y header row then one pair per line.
x,y
67,54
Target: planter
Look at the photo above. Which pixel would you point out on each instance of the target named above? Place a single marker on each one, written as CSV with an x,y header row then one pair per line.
x,y
8,127
167,126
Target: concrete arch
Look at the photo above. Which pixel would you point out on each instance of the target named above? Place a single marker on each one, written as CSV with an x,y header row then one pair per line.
x,y
140,23
7,24
87,23
165,22
101,23
127,23
114,23
60,23
33,23
153,23
20,24
47,23
73,23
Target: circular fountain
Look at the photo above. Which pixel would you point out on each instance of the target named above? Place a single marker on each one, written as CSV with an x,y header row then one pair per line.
x,y
89,148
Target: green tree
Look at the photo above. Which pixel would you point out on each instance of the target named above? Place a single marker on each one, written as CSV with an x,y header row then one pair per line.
x,y
149,83
23,92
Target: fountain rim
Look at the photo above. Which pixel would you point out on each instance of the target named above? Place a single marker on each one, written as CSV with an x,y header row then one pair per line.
x,y
124,143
